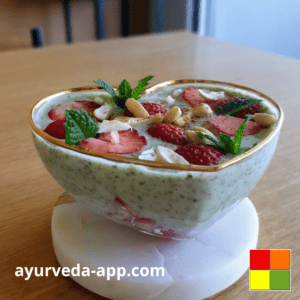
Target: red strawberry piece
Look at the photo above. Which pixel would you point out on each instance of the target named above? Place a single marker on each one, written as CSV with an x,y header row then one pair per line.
x,y
203,155
251,110
56,129
192,96
134,212
171,233
59,111
168,133
229,125
143,223
152,109
129,142
216,103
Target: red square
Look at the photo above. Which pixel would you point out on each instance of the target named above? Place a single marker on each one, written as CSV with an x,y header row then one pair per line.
x,y
259,259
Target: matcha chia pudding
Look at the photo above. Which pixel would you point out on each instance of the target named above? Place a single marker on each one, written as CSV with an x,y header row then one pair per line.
x,y
169,161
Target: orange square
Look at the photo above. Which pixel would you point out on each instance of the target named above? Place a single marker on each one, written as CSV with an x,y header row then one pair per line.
x,y
280,260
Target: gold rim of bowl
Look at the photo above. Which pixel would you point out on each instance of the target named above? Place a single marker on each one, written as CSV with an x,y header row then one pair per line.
x,y
153,164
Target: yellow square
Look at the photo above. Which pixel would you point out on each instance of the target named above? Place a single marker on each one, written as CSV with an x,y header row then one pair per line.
x,y
259,280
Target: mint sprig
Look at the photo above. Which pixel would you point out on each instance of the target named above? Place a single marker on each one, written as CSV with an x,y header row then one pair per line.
x,y
226,144
108,88
140,88
79,126
125,90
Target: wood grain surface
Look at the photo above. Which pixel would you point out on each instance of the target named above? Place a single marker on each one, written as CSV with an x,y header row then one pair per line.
x,y
28,192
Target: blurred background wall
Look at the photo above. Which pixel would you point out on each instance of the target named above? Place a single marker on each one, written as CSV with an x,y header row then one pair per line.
x,y
270,25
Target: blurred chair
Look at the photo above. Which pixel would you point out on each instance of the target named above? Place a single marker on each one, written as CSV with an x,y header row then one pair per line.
x,y
36,33
160,11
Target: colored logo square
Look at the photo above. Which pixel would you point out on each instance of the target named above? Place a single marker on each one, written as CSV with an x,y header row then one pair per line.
x,y
280,260
280,280
259,280
259,259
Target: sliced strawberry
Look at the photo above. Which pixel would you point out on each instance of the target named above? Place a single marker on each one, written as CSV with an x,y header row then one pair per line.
x,y
216,103
56,129
133,211
192,96
152,109
168,133
171,233
129,142
59,111
203,155
229,125
145,224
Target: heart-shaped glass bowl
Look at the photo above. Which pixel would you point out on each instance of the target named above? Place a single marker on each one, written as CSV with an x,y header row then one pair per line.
x,y
168,200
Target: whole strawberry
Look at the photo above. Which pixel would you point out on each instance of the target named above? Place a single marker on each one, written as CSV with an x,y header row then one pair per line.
x,y
168,133
152,109
202,155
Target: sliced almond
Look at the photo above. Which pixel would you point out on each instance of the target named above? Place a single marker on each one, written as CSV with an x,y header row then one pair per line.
x,y
264,119
177,93
103,112
172,115
209,95
167,155
136,108
148,155
114,125
168,100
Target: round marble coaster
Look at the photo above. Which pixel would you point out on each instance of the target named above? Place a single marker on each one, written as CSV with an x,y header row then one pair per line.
x,y
93,248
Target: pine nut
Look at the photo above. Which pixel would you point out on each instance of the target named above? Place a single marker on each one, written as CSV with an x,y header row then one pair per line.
x,y
136,108
172,115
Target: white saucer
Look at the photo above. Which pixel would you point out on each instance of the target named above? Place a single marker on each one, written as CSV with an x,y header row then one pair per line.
x,y
194,269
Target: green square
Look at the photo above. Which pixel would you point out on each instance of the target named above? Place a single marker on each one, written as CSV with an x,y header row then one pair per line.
x,y
280,280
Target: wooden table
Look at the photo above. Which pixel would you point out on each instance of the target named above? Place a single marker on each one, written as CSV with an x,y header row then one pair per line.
x,y
28,192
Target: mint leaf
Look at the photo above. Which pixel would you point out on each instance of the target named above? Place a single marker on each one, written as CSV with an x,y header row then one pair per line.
x,y
238,137
219,144
140,88
226,143
79,126
108,88
208,137
125,89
